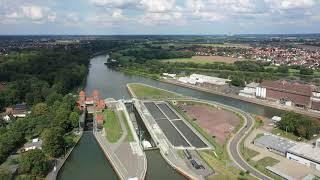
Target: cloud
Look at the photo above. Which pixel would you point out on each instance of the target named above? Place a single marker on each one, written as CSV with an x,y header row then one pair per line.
x,y
115,3
290,4
158,6
33,12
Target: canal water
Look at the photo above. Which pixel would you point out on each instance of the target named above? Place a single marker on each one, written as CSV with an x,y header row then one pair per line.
x,y
111,83
87,161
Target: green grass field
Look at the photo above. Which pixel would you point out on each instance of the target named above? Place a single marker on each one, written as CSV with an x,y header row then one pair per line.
x,y
112,126
141,90
267,161
285,134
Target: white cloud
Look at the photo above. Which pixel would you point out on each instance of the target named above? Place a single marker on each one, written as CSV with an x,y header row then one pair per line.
x,y
33,12
115,3
52,17
290,4
12,15
158,6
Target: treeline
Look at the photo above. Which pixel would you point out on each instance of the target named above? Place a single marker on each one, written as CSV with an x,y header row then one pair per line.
x,y
52,121
300,125
142,54
33,74
43,78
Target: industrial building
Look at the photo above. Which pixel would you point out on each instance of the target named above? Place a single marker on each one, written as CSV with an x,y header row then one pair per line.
x,y
306,154
303,153
202,79
290,94
274,143
250,90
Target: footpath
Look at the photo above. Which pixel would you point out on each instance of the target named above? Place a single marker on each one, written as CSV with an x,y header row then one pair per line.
x,y
127,158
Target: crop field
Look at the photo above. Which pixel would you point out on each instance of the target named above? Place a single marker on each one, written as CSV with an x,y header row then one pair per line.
x,y
204,59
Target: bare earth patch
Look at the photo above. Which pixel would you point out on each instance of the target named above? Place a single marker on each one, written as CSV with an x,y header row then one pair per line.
x,y
215,59
216,122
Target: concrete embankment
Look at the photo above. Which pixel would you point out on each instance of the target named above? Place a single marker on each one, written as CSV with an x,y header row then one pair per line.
x,y
60,162
250,100
108,156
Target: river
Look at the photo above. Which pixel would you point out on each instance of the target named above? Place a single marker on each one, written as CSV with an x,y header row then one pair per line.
x,y
87,161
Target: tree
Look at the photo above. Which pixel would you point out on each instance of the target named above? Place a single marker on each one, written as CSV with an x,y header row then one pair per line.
x,y
53,142
74,119
306,71
237,82
40,109
34,162
5,174
283,69
53,97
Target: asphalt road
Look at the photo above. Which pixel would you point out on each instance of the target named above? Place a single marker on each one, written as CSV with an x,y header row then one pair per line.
x,y
234,148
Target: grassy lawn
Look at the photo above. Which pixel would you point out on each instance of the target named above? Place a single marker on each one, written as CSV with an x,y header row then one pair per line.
x,y
258,122
129,137
112,126
287,135
223,172
267,161
141,90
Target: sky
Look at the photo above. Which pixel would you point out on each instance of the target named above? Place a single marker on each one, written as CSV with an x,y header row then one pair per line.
x,y
119,17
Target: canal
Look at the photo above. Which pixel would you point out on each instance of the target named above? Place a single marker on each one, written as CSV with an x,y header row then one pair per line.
x,y
87,161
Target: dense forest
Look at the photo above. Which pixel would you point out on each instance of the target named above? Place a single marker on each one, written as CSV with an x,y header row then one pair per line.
x,y
43,78
300,125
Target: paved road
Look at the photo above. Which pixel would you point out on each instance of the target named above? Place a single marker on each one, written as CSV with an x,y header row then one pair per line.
x,y
234,145
235,149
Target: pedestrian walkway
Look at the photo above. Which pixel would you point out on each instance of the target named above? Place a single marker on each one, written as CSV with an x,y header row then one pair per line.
x,y
127,158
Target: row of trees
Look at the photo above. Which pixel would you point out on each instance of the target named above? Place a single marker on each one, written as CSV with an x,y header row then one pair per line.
x,y
52,121
300,125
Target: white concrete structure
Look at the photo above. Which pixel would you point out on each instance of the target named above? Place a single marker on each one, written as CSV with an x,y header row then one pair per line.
x,y
306,154
199,78
261,92
276,119
6,118
35,144
169,75
250,90
187,80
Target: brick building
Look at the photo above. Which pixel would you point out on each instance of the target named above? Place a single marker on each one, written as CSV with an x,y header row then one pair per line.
x,y
292,94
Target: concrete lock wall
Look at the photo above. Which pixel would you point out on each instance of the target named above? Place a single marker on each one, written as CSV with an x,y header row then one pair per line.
x,y
303,161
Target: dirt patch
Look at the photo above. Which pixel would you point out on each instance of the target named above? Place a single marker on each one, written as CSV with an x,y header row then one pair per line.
x,y
215,59
216,122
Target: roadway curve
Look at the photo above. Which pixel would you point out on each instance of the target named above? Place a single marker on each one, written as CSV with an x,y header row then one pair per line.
x,y
234,147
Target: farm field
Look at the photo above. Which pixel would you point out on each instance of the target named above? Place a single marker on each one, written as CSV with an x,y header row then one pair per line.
x,y
204,59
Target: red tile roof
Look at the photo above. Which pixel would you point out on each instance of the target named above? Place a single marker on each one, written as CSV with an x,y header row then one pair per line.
x,y
284,86
100,118
82,93
95,93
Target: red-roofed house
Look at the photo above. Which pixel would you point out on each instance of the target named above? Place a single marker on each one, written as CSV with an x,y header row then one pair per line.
x,y
99,120
101,105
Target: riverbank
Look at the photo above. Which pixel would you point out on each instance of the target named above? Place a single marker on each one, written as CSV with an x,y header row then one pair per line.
x,y
250,100
60,162
215,159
